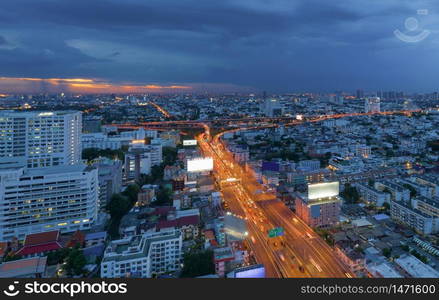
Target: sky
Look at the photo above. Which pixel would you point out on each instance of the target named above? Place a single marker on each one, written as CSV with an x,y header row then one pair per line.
x,y
278,46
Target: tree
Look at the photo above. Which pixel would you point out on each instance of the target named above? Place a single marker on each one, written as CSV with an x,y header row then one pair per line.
x,y
419,256
92,153
198,264
12,257
387,252
75,262
164,196
157,172
169,155
118,206
57,256
131,192
350,194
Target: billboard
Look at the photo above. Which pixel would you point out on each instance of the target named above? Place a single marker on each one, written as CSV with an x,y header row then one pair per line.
x,y
255,271
323,190
189,142
200,164
235,227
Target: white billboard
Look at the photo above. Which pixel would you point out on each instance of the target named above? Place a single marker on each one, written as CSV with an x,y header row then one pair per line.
x,y
200,164
189,142
323,190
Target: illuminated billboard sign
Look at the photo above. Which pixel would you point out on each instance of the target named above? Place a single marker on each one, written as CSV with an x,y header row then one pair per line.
x,y
255,271
200,164
275,232
189,142
323,190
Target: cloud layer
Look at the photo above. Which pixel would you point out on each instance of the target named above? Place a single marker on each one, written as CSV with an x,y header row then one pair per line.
x,y
230,45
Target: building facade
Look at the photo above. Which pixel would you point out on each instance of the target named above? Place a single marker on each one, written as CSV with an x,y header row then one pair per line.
x,y
63,197
143,256
40,139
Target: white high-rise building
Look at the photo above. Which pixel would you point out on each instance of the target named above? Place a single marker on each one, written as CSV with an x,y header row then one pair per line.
x,y
143,256
372,105
43,199
272,107
40,139
43,183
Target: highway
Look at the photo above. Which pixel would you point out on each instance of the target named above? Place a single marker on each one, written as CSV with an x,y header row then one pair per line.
x,y
160,109
299,252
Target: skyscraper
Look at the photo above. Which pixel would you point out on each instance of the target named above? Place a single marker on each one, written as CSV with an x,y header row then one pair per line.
x,y
359,94
272,107
40,139
43,183
372,105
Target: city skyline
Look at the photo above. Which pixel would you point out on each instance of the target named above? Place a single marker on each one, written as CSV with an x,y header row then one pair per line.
x,y
238,46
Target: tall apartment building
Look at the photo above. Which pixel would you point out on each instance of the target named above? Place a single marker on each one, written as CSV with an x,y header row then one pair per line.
x,y
43,183
140,158
38,200
372,105
109,178
143,256
272,107
39,139
321,206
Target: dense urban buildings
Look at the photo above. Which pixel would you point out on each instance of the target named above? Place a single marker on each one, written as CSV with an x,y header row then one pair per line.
x,y
147,195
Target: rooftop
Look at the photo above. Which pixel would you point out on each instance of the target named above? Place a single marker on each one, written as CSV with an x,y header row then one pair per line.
x,y
23,267
416,268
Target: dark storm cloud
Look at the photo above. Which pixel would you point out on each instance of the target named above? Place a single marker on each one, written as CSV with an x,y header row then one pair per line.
x,y
3,41
268,44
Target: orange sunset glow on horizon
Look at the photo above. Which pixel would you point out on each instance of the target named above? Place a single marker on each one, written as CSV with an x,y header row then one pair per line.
x,y
80,85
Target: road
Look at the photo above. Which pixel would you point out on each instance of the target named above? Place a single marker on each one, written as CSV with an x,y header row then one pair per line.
x,y
300,252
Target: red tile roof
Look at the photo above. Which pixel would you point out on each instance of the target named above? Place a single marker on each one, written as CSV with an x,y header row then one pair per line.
x,y
166,224
163,210
41,238
40,243
28,250
77,238
180,222
188,220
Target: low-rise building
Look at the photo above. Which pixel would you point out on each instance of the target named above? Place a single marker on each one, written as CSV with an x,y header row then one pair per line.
x,y
414,268
382,269
405,214
34,267
372,195
354,259
320,208
143,256
40,244
398,192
